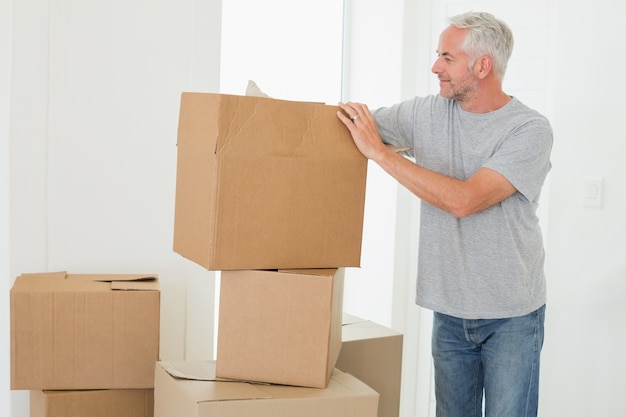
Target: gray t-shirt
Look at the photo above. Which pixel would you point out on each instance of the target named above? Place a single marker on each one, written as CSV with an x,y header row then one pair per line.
x,y
489,264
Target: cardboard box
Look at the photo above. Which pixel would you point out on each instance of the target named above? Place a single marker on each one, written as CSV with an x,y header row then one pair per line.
x,y
281,327
93,403
204,396
84,331
266,184
373,353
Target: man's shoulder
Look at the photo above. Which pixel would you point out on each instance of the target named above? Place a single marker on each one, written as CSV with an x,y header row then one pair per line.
x,y
516,105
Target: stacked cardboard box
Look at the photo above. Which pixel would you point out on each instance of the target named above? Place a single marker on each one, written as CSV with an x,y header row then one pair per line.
x,y
281,327
266,184
373,353
191,389
92,403
72,333
271,193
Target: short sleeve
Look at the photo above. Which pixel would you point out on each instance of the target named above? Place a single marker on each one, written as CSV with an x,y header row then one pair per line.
x,y
524,157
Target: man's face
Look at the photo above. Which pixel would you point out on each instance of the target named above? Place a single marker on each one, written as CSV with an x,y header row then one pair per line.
x,y
456,81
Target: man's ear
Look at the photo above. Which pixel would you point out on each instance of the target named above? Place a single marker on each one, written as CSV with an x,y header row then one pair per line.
x,y
483,66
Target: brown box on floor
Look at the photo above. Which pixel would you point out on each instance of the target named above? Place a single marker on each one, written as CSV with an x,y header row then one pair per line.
x,y
92,403
281,327
263,183
84,331
373,353
190,389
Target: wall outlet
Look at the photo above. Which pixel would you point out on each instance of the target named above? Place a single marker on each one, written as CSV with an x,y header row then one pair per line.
x,y
592,192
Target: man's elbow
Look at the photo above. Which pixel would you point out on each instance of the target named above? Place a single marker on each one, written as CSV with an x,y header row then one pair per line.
x,y
462,207
461,211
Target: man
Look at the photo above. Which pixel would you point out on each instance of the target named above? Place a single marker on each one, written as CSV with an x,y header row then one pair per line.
x,y
481,157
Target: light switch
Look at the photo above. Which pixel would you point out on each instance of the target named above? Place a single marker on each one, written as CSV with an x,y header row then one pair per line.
x,y
592,192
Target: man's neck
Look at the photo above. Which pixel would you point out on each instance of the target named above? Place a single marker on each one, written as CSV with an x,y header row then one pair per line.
x,y
486,102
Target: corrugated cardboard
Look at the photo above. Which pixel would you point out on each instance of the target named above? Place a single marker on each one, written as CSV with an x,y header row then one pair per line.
x,y
204,396
281,327
373,353
79,332
266,184
93,403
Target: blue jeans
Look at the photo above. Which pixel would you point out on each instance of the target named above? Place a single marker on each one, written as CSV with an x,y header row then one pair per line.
x,y
499,358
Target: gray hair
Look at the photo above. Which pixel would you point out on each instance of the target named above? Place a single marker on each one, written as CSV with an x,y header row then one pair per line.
x,y
486,35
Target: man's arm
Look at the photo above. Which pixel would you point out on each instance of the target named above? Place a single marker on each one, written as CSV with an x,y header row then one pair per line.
x,y
460,198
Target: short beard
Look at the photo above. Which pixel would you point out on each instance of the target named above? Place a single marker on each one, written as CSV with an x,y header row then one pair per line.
x,y
464,89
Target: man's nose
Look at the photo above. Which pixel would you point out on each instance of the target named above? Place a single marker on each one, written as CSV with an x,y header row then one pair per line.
x,y
436,68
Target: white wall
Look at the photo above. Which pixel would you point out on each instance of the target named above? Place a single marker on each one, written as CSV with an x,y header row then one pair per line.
x,y
584,369
94,110
292,50
6,28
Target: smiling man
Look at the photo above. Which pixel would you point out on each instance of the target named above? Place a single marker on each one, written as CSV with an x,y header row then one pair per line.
x,y
480,161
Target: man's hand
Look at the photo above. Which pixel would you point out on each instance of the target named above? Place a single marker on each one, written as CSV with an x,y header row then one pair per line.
x,y
359,120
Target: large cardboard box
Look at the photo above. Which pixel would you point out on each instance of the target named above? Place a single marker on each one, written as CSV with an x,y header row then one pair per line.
x,y
74,332
373,353
194,391
92,403
281,327
263,183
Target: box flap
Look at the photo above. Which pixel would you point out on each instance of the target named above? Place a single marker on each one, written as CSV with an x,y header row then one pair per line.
x,y
128,282
355,328
192,370
348,319
44,281
350,383
213,389
152,285
49,281
200,371
352,322
114,277
228,391
302,131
